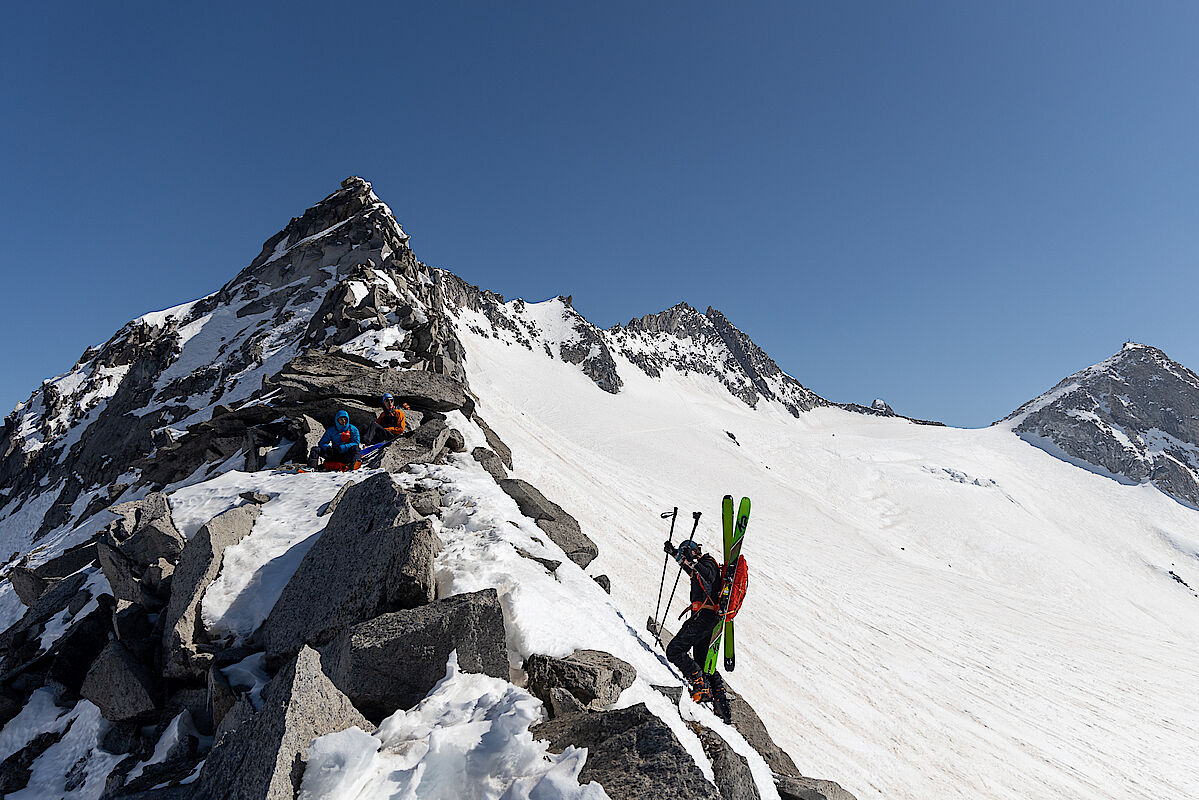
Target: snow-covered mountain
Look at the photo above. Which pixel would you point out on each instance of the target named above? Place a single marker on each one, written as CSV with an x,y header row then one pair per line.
x,y
933,612
1134,416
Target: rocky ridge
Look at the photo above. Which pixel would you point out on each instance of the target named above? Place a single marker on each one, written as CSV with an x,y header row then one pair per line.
x,y
112,581
1134,416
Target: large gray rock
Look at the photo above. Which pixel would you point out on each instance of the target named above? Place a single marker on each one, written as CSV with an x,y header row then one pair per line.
x,y
371,558
120,686
733,776
589,680
263,757
433,435
28,584
630,752
151,531
792,788
394,660
495,442
490,462
121,573
52,601
79,647
198,568
560,526
68,562
397,455
339,375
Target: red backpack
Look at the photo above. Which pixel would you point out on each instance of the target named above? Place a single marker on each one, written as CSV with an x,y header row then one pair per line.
x,y
739,586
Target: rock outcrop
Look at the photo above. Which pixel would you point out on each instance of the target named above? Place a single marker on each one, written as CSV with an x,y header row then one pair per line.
x,y
263,757
630,752
198,568
560,526
733,776
119,685
373,557
586,680
393,660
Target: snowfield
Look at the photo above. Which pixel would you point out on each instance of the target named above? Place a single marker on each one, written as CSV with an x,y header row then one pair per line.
x,y
933,612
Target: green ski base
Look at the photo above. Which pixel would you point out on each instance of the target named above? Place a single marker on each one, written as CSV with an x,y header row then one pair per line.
x,y
733,535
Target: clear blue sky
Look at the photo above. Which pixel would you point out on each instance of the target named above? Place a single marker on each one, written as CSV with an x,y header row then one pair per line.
x,y
950,205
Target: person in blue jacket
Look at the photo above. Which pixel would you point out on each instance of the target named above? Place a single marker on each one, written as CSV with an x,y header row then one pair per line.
x,y
340,443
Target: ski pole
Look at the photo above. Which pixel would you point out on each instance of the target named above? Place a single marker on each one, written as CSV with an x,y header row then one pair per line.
x,y
666,613
662,583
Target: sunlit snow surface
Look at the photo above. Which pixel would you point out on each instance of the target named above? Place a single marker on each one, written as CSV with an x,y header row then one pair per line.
x,y
933,612
468,740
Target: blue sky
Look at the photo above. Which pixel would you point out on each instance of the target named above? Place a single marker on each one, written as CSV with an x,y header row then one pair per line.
x,y
949,205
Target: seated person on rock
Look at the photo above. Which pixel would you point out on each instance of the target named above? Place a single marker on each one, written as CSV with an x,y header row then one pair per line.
x,y
391,424
340,443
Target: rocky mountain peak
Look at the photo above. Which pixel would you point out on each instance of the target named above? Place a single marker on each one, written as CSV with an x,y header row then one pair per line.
x,y
340,276
1134,416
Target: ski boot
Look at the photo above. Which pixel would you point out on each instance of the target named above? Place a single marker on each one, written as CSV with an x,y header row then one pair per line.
x,y
720,699
701,691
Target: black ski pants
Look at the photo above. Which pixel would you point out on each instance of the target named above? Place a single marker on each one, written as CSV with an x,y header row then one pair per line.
x,y
694,636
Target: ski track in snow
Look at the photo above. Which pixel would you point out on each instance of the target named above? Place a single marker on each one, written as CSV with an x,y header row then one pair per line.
x,y
933,612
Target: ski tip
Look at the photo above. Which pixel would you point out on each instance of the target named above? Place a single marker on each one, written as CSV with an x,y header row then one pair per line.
x,y
728,497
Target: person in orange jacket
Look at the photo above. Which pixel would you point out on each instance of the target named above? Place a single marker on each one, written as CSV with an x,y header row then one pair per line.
x,y
391,424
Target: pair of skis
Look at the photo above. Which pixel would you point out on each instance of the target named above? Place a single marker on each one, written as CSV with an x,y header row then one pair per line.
x,y
734,534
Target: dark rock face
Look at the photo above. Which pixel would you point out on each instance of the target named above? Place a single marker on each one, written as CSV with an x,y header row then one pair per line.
x,y
708,344
560,526
397,455
394,660
338,375
371,558
590,351
79,647
119,685
630,752
733,777
198,568
146,530
495,442
264,756
31,623
69,562
433,435
490,462
586,680
28,585
16,770
1135,415
809,789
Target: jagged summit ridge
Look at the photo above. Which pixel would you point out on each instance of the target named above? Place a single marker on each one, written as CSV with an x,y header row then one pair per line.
x,y
708,343
1134,415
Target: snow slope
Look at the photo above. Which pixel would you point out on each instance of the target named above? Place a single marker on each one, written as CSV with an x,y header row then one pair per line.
x,y
933,612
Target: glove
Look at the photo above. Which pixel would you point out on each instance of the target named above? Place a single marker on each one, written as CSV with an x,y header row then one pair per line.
x,y
668,548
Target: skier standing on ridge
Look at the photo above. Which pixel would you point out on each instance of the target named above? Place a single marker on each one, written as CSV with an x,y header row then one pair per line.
x,y
696,632
341,443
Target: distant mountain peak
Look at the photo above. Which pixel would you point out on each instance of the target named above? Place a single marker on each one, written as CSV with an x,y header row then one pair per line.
x,y
1134,416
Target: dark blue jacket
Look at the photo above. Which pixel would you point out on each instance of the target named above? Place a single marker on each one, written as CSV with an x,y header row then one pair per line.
x,y
333,436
